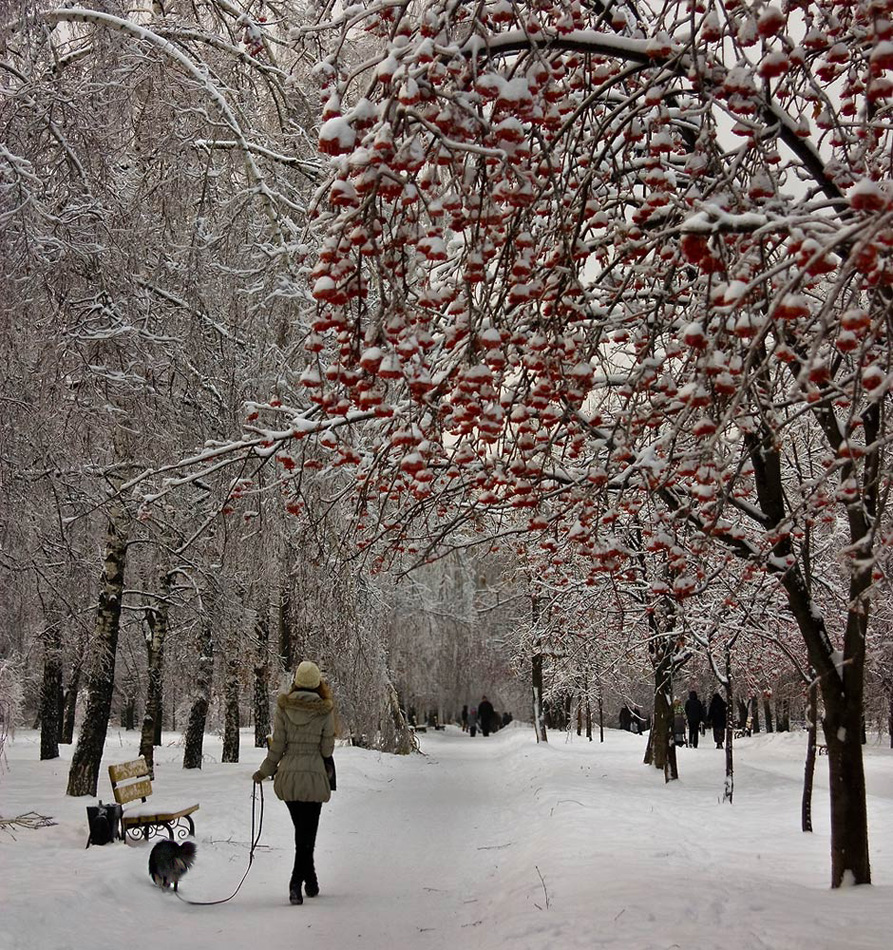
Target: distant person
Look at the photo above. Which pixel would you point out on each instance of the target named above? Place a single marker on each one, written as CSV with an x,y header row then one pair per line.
x,y
716,715
694,710
485,715
464,718
473,721
626,719
678,723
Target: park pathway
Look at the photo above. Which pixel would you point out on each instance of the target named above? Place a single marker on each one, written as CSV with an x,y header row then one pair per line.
x,y
426,845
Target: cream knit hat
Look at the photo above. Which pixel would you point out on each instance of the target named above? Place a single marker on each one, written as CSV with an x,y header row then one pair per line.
x,y
307,675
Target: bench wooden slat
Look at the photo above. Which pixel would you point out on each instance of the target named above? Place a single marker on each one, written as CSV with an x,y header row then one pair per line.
x,y
125,770
161,816
132,791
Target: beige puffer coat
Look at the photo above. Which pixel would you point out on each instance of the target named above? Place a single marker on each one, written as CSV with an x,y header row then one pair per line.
x,y
303,733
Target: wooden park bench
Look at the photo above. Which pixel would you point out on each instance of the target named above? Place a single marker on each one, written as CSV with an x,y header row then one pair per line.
x,y
131,781
747,730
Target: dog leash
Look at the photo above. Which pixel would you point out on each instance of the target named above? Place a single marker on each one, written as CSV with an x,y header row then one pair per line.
x,y
255,838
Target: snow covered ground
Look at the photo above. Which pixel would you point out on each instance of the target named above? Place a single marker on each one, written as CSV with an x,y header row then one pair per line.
x,y
478,844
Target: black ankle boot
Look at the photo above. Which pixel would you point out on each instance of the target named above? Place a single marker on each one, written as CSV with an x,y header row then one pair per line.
x,y
294,894
311,885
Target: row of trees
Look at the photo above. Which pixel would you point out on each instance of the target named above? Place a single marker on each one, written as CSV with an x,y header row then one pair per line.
x,y
600,290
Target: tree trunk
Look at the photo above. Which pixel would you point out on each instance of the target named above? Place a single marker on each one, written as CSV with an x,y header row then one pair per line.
x,y
70,704
783,722
890,718
286,645
842,725
842,678
231,719
539,719
51,694
809,768
767,710
198,713
157,622
849,815
729,789
402,732
755,706
661,749
128,709
261,682
840,673
84,772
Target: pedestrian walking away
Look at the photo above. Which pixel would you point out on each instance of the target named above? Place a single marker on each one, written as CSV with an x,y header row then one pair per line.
x,y
485,715
693,712
473,721
303,737
716,716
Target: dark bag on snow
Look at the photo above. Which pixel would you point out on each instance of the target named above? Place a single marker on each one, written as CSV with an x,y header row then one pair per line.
x,y
104,822
329,763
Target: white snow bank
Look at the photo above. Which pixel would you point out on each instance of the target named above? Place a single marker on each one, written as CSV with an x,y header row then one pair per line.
x,y
482,843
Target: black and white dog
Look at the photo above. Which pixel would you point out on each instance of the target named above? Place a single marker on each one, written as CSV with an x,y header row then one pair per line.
x,y
169,861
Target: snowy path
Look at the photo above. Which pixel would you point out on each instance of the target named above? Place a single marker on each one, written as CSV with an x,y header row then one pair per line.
x,y
424,846
481,844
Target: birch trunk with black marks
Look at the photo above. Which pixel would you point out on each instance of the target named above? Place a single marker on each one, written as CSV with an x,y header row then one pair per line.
x,y
198,712
84,772
231,716
402,733
729,788
70,705
157,623
283,621
51,701
539,712
536,681
262,726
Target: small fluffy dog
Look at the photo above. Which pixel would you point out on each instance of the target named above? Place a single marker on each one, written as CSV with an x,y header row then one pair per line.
x,y
169,861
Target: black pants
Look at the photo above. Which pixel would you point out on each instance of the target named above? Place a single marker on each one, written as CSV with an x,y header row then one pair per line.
x,y
692,734
305,818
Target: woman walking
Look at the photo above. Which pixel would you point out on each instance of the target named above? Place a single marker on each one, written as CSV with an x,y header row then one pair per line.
x,y
716,716
303,735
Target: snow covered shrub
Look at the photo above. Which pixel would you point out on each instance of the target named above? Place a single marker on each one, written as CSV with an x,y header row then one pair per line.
x,y
10,701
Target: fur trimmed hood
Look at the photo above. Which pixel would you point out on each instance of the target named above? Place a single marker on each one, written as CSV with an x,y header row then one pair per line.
x,y
306,701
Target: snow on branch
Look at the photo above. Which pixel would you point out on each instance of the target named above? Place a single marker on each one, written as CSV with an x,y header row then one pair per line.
x,y
197,72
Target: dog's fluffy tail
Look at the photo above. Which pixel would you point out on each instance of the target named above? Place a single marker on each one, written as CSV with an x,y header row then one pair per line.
x,y
187,854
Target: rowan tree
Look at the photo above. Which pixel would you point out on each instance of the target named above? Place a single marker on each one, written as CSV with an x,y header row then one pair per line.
x,y
573,254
